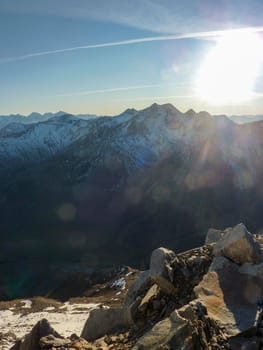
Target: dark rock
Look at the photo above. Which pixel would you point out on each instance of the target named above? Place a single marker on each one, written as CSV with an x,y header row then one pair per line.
x,y
213,235
188,328
41,329
141,284
240,343
160,264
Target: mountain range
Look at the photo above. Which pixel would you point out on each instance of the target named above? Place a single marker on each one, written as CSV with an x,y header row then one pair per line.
x,y
108,190
35,117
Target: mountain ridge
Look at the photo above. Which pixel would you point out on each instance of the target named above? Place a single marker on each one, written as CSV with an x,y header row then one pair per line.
x,y
36,117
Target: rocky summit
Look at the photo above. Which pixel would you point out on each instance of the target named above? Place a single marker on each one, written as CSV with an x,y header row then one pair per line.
x,y
207,298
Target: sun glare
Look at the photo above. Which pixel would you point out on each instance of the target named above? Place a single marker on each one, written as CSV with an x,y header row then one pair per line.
x,y
229,71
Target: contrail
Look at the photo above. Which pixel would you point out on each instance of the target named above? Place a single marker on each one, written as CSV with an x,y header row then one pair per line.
x,y
197,35
123,88
156,98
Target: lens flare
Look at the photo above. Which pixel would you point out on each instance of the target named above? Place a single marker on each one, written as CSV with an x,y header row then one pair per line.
x,y
229,71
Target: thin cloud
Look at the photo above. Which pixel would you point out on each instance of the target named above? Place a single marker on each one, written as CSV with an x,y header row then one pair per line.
x,y
197,35
155,98
162,16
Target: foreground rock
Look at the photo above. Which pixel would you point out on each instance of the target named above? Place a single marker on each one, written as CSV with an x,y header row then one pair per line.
x,y
187,328
231,294
153,296
160,273
32,340
238,245
105,321
213,235
161,263
153,287
173,331
208,298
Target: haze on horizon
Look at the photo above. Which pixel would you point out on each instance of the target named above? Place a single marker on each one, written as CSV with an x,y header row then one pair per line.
x,y
103,57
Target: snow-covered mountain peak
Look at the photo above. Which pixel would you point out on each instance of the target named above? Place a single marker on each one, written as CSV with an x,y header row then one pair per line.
x,y
38,116
163,109
145,134
131,111
125,116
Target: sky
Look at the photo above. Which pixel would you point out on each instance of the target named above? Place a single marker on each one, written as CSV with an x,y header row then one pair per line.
x,y
103,56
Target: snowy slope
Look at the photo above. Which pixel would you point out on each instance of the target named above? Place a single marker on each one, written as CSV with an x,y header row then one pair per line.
x,y
135,140
68,319
22,144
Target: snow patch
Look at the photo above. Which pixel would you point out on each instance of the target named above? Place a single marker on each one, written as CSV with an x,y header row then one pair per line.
x,y
69,320
27,304
119,283
49,308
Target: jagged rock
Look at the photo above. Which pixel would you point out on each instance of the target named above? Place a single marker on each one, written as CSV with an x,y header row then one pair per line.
x,y
50,341
135,294
105,321
140,285
152,293
187,312
160,275
147,304
188,269
41,329
231,294
164,285
188,328
175,331
213,235
160,264
239,246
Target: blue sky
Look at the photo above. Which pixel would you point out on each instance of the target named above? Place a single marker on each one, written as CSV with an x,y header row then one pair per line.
x,y
107,80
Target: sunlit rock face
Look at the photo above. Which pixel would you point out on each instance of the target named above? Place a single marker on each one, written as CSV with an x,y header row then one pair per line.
x,y
231,295
174,331
233,287
238,245
110,190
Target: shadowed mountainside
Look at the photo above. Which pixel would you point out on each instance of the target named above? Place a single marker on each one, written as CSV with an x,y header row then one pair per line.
x,y
123,186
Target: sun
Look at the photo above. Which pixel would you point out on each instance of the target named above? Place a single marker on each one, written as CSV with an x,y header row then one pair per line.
x,y
229,71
